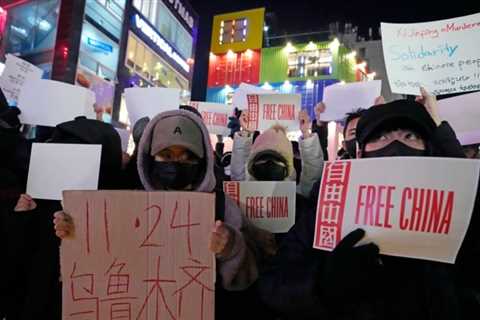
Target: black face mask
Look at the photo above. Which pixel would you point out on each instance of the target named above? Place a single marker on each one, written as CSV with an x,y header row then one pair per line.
x,y
269,171
174,175
395,149
351,148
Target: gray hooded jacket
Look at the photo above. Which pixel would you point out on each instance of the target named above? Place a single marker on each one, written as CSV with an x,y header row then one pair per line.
x,y
239,270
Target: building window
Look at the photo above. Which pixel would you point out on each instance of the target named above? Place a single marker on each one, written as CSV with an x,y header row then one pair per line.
x,y
98,53
232,31
311,63
108,14
146,8
31,27
143,61
164,21
131,47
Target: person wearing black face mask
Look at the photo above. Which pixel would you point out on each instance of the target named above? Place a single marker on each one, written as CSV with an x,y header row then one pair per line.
x,y
354,281
175,154
401,140
414,124
248,148
269,167
349,144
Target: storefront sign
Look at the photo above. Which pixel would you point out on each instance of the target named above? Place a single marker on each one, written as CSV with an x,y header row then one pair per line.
x,y
182,11
99,45
144,27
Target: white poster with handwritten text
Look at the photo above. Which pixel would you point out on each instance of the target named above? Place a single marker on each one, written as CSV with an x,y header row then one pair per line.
x,y
443,56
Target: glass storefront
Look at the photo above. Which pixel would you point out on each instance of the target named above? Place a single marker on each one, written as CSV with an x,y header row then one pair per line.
x,y
310,63
143,61
108,14
98,53
32,27
167,25
30,32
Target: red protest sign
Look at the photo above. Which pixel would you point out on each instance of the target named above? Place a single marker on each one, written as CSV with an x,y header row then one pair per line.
x,y
410,207
138,255
215,116
266,110
269,205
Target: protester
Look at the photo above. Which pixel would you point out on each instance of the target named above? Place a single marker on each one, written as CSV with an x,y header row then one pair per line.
x,y
321,128
349,144
11,185
354,281
472,151
175,154
275,143
348,150
14,148
132,179
33,276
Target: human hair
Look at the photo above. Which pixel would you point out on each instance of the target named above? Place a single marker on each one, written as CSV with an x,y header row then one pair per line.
x,y
355,114
191,109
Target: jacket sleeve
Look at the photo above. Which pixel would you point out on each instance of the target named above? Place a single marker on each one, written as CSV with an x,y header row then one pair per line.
x,y
242,144
445,141
322,132
238,270
289,285
312,164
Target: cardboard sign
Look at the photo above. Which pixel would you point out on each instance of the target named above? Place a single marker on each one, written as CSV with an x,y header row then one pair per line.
x,y
410,207
442,56
239,99
215,116
343,98
148,102
57,167
268,205
266,110
48,102
463,114
15,75
138,255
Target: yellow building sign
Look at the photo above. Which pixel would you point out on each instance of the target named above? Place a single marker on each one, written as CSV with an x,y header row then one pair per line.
x,y
237,31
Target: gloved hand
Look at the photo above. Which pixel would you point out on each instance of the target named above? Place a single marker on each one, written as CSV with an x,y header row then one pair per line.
x,y
234,122
349,273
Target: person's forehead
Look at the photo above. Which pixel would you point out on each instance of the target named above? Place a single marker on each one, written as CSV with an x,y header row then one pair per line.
x,y
471,148
352,124
398,131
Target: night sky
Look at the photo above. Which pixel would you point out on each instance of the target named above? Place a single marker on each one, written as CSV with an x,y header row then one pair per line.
x,y
304,16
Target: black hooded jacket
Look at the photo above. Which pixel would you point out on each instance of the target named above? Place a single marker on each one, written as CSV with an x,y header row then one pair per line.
x,y
402,289
33,289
